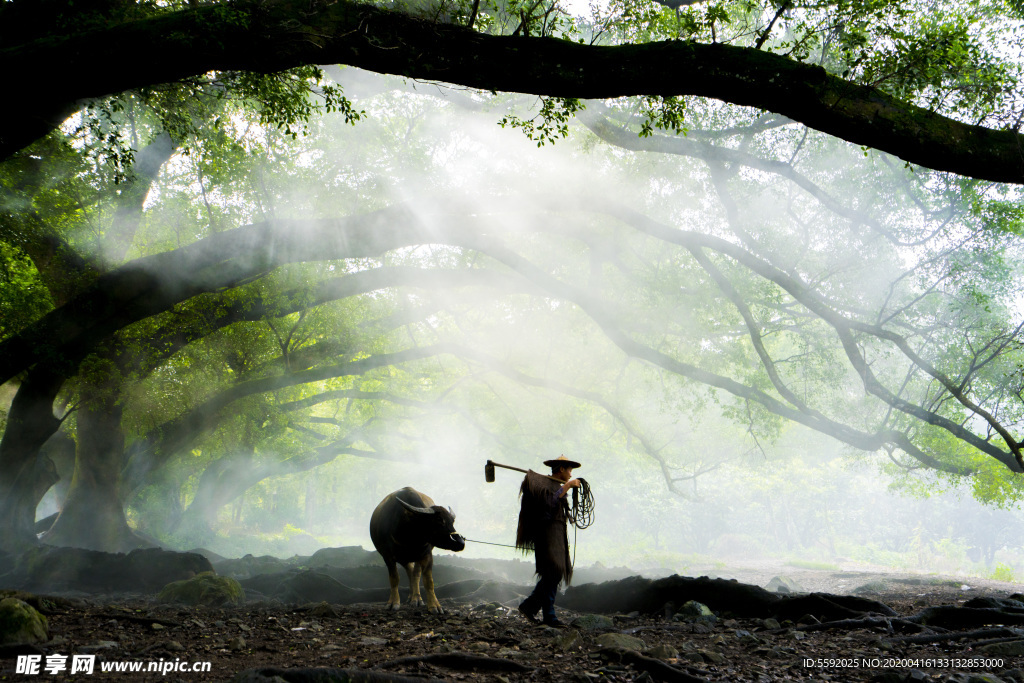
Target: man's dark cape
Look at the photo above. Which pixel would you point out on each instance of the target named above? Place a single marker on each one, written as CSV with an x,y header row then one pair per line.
x,y
542,520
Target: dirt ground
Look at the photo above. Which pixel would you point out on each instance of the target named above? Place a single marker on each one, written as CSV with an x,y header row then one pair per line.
x,y
491,642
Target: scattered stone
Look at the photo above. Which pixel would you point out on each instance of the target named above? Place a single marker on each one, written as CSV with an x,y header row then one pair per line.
x,y
370,640
97,647
567,640
694,609
620,640
785,585
873,587
662,652
593,622
1012,648
973,677
323,610
237,643
695,613
157,627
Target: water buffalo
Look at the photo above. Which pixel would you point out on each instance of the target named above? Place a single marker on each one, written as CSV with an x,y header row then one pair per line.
x,y
405,527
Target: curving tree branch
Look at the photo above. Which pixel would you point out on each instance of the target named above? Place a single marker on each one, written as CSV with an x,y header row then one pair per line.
x,y
273,35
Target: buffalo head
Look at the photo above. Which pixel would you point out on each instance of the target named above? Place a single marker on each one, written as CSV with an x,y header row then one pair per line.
x,y
440,526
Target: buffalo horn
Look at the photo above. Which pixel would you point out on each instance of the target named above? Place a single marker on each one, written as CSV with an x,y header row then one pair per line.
x,y
413,508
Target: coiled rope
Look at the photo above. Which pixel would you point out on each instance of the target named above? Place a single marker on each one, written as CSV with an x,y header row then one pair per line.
x,y
582,513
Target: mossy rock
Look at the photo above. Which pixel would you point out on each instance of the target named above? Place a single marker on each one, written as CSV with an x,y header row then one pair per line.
x,y
44,605
21,624
205,589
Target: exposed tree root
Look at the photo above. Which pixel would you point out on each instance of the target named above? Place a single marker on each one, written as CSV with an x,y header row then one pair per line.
x,y
324,675
657,669
952,617
998,634
888,623
458,660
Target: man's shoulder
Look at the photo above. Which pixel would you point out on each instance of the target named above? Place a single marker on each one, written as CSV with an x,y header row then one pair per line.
x,y
536,484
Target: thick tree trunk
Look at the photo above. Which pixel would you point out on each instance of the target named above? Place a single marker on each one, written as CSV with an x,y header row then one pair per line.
x,y
23,477
93,514
222,482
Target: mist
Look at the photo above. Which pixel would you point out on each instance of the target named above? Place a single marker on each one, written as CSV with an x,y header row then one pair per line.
x,y
661,308
689,476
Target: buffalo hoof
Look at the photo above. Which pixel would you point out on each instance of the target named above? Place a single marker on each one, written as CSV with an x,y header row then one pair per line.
x,y
393,606
416,602
436,610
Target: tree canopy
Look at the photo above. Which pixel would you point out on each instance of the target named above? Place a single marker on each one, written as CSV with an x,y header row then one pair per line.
x,y
876,74
214,279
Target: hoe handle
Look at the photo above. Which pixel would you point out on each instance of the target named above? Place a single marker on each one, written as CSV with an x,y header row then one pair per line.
x,y
507,467
490,465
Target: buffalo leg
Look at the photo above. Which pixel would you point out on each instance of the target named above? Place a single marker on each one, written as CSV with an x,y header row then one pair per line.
x,y
413,570
427,567
393,600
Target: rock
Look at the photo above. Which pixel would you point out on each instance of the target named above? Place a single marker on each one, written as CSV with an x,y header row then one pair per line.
x,y
207,589
662,652
153,568
592,622
21,624
65,569
208,554
1012,648
237,643
973,677
693,611
692,608
648,596
44,605
620,640
872,587
323,610
568,640
249,566
712,656
345,556
98,647
784,584
985,601
369,640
